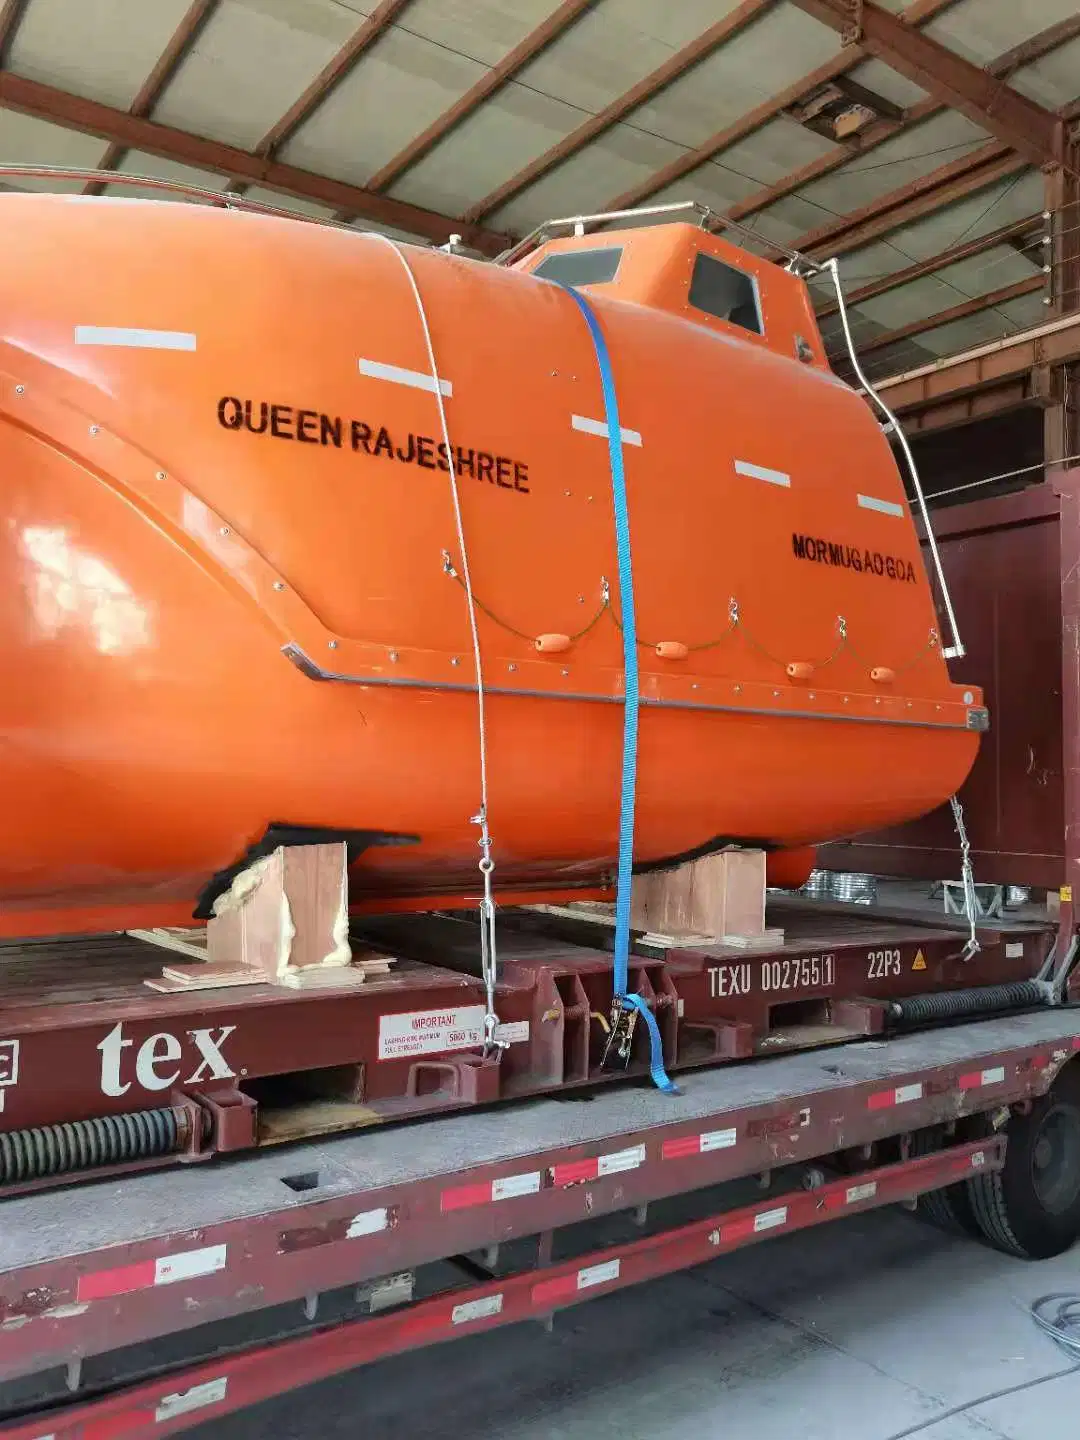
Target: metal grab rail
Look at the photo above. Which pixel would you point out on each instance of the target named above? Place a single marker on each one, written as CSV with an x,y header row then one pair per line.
x,y
579,223
227,199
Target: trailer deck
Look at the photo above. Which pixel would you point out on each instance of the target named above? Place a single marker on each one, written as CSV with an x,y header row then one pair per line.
x,y
110,1264
150,1079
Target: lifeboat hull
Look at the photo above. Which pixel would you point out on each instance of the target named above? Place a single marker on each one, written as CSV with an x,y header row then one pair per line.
x,y
231,577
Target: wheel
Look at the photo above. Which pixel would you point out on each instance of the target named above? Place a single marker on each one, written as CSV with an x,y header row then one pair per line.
x,y
950,1208
1031,1208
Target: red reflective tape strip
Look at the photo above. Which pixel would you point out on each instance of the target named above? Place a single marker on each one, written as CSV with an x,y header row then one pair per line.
x,y
562,1285
1076,1042
613,1163
679,1149
547,1290
574,1171
102,1283
899,1095
423,1324
110,1426
464,1196
165,1270
702,1144
506,1187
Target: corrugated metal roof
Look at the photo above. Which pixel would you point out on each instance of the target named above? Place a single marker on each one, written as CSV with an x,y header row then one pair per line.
x,y
25,140
104,49
1054,80
248,65
367,119
251,60
980,30
136,162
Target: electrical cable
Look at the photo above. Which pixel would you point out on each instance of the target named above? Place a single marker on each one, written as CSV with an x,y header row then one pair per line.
x,y
987,1399
1004,475
1058,1315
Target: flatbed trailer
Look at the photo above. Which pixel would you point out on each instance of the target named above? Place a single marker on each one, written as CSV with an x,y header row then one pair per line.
x,y
270,1270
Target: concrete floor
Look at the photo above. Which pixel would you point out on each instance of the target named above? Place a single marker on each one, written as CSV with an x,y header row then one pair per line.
x,y
873,1328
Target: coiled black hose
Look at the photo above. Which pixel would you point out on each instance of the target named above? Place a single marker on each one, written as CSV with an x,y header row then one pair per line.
x,y
87,1144
967,1004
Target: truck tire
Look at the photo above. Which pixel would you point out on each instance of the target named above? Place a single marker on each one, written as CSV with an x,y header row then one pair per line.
x,y
950,1208
1031,1208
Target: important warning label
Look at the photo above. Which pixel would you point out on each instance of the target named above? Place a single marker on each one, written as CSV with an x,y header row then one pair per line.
x,y
429,1032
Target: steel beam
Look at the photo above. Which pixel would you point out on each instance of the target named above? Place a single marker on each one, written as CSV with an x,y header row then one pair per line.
x,y
983,368
1061,423
1027,127
901,206
30,97
954,254
961,311
172,57
676,169
646,89
556,25
10,16
875,134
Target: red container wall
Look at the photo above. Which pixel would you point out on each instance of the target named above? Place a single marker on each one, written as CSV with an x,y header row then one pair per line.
x,y
1002,559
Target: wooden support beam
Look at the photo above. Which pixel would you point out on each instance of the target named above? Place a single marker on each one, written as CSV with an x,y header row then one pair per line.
x,y
1027,127
646,89
955,253
30,97
172,57
718,896
331,75
557,24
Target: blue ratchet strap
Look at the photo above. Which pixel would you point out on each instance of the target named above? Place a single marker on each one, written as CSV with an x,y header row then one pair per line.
x,y
630,703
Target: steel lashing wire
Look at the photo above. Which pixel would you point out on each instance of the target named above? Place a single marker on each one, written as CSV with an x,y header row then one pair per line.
x,y
967,874
488,951
956,649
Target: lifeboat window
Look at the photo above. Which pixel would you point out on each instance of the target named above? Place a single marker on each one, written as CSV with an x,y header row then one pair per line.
x,y
726,293
581,267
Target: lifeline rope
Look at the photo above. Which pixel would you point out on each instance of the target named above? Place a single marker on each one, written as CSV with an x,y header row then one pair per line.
x,y
488,954
630,700
736,625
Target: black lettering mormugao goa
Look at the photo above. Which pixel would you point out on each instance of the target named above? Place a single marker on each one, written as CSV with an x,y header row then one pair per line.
x,y
232,583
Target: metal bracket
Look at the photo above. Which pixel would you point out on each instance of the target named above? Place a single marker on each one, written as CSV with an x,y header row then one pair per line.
x,y
852,34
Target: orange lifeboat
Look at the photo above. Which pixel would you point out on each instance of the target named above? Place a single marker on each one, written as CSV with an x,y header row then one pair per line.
x,y
232,585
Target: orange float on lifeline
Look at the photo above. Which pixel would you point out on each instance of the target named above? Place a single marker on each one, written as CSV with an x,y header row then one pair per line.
x,y
230,579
